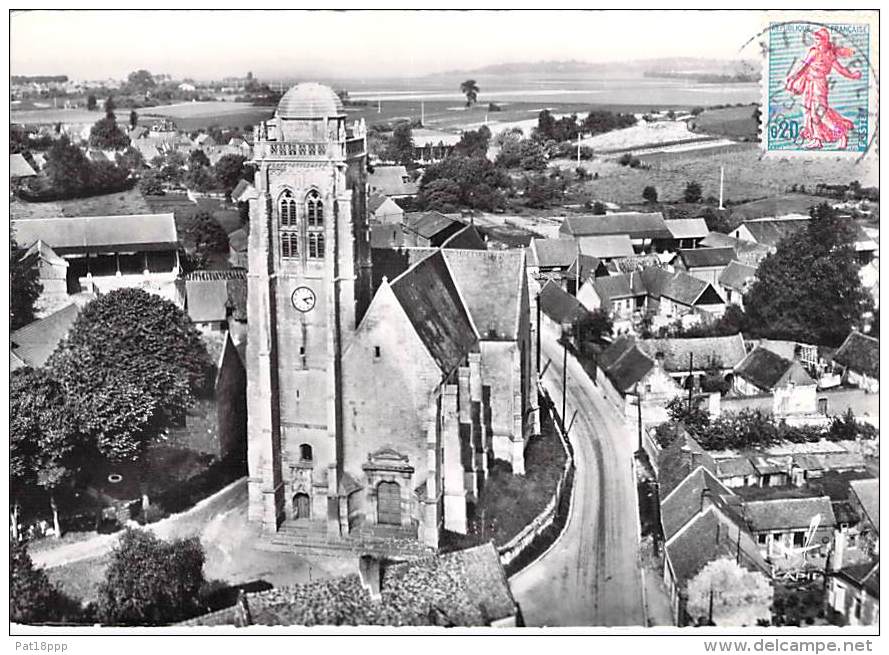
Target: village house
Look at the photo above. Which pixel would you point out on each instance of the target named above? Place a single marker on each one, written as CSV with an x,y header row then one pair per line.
x,y
628,376
383,210
647,231
53,274
559,310
854,592
551,258
242,192
391,181
864,498
706,264
106,252
623,297
769,231
765,372
431,146
687,232
583,268
19,168
746,252
237,248
429,229
735,280
33,344
606,248
858,361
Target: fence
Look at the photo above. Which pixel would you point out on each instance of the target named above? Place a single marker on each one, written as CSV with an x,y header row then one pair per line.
x,y
546,527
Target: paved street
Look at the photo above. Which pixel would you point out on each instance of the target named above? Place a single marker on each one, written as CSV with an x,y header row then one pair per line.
x,y
591,574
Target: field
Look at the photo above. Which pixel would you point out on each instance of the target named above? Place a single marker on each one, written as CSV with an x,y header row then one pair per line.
x,y
747,176
641,135
112,204
732,122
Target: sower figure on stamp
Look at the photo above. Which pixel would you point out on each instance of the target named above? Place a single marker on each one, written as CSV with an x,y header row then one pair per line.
x,y
822,122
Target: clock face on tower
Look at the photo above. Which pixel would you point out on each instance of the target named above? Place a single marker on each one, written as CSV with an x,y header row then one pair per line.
x,y
303,299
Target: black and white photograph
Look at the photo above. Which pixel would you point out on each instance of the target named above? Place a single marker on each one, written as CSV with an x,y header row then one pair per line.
x,y
444,322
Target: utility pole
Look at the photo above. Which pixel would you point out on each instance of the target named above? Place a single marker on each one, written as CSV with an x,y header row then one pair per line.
x,y
538,334
564,378
578,148
691,382
423,117
721,182
639,415
379,106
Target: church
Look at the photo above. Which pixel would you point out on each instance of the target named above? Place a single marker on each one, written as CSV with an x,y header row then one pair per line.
x,y
376,404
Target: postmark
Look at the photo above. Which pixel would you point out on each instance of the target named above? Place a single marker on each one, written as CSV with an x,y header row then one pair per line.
x,y
818,90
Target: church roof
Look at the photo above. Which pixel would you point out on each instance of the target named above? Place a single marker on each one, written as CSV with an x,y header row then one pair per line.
x,y
34,343
310,100
429,297
490,282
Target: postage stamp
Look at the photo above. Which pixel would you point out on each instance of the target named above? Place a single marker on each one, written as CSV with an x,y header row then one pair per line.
x,y
817,88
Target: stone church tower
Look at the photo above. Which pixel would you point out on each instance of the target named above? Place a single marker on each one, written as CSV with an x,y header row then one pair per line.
x,y
309,284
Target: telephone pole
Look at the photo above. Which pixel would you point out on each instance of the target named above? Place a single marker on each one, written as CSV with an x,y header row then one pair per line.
x,y
564,379
691,382
639,415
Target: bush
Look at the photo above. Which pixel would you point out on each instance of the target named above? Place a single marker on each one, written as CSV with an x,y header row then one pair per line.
x,y
32,598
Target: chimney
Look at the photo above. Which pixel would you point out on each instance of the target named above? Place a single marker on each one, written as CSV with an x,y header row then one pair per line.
x,y
705,498
371,575
839,549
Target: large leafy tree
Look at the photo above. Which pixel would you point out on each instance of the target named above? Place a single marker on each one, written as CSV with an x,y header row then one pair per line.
x,y
106,134
479,181
230,169
201,179
24,285
474,143
729,594
129,335
141,80
207,234
470,89
400,147
32,598
67,168
150,581
809,289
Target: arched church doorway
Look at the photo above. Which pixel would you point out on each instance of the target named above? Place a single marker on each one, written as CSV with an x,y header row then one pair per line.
x,y
389,503
301,506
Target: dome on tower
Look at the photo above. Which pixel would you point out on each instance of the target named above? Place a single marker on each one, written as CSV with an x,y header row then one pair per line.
x,y
310,100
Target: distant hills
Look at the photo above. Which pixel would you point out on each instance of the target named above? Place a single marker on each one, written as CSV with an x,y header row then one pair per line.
x,y
668,67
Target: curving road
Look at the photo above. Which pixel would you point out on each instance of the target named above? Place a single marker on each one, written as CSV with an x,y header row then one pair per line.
x,y
591,575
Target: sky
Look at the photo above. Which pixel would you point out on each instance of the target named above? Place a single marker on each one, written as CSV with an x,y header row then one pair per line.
x,y
353,44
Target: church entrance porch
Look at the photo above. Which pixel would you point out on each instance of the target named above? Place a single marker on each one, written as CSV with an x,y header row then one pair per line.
x,y
302,506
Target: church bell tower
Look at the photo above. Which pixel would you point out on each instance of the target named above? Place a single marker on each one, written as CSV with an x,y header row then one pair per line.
x,y
309,283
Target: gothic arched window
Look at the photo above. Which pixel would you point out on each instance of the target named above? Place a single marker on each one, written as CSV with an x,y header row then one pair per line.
x,y
314,225
288,225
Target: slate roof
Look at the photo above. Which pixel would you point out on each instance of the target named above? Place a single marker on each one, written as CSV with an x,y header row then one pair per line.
x,y
615,287
237,240
558,304
767,370
386,236
429,297
375,201
727,351
553,253
687,228
462,588
44,252
678,459
868,494
860,353
606,247
205,300
241,188
788,513
747,252
19,166
710,537
429,224
736,276
467,238
678,286
490,283
636,225
705,257
686,499
390,181
770,231
625,364
587,266
35,342
95,233
633,263
865,575
734,467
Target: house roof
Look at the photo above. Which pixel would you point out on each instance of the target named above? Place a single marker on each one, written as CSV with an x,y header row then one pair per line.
x,y
860,353
558,304
34,343
767,370
489,281
734,467
19,166
615,287
688,498
769,231
241,188
391,181
553,253
44,252
386,236
625,364
705,257
606,247
736,276
429,297
429,224
679,459
865,575
375,201
586,265
725,351
237,240
467,238
868,494
636,225
788,513
687,228
205,300
633,263
95,233
678,286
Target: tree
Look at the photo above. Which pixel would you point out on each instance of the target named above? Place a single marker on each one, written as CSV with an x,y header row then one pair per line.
x,y
106,176
809,290
441,195
649,194
91,102
400,147
141,81
729,594
24,285
106,134
599,208
474,143
32,597
201,179
130,160
152,183
134,118
67,168
470,89
594,326
198,158
692,193
229,170
150,581
479,181
132,335
208,235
